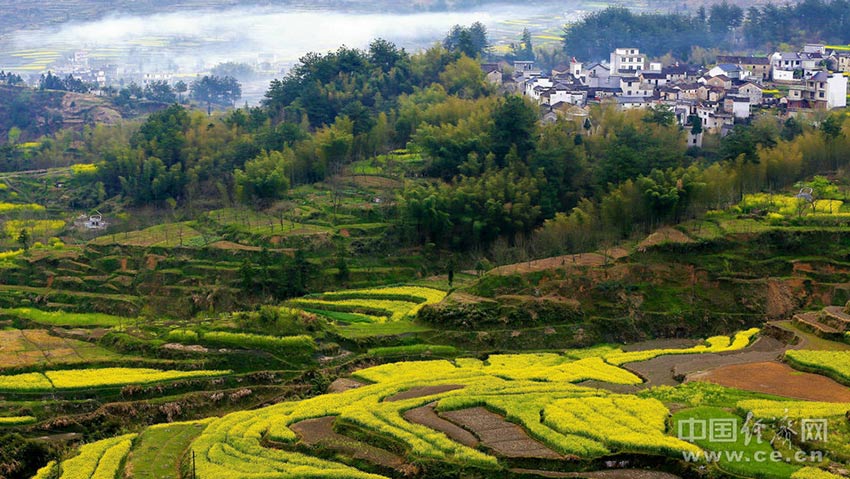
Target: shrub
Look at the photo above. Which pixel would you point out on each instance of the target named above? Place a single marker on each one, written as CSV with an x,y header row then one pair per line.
x,y
49,471
287,347
182,336
814,473
415,349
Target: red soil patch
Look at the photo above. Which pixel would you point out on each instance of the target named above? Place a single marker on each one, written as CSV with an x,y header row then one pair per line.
x,y
426,416
152,260
582,259
664,235
230,245
502,437
778,379
423,391
783,297
80,333
320,432
668,370
617,252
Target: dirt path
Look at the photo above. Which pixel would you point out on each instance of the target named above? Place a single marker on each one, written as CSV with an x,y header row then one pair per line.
x,y
609,474
776,378
668,370
809,340
320,432
426,416
423,391
502,437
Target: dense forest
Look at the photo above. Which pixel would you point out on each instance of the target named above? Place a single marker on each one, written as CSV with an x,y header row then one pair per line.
x,y
492,173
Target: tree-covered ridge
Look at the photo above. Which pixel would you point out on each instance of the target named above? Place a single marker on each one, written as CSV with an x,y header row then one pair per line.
x,y
723,26
489,169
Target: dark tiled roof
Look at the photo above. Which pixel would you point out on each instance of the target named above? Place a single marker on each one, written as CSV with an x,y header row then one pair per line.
x,y
743,60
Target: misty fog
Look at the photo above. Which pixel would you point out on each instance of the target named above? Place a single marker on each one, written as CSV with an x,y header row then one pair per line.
x,y
194,41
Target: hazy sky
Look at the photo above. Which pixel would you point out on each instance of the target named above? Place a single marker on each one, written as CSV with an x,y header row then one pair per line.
x,y
239,34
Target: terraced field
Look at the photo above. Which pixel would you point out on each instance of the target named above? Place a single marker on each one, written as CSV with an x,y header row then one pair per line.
x,y
31,347
82,379
467,412
377,305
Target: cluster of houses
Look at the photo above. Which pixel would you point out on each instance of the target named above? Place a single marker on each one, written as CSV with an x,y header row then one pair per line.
x,y
815,78
100,74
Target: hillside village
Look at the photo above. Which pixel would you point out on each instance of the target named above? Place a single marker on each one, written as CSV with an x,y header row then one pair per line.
x,y
705,98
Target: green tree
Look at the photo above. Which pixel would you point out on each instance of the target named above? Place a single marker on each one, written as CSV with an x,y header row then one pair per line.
x,y
514,124
24,239
240,71
180,88
214,90
51,82
724,17
470,41
14,135
525,49
831,126
660,115
464,78
160,91
343,274
264,178
822,188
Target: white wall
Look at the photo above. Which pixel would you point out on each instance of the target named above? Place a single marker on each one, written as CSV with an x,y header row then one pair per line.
x,y
783,75
741,109
836,95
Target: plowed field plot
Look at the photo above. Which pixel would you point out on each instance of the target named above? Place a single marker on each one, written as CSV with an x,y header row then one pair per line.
x,y
665,370
581,259
504,438
778,379
426,416
320,432
30,347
